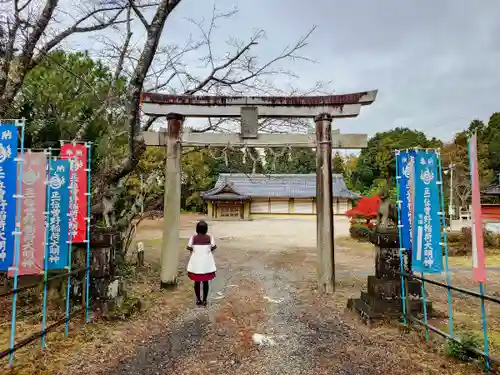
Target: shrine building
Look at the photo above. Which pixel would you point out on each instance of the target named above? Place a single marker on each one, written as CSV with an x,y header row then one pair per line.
x,y
241,196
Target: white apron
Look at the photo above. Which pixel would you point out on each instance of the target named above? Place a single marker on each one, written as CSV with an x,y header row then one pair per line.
x,y
201,260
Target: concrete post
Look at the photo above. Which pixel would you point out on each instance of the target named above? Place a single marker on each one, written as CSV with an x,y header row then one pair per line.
x,y
324,204
172,202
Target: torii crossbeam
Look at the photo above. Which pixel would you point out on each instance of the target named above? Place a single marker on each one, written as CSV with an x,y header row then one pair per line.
x,y
250,108
346,105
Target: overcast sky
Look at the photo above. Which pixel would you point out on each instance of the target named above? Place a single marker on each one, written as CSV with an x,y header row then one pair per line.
x,y
436,63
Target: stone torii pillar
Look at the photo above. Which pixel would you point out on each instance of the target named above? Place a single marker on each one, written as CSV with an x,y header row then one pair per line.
x,y
324,204
171,200
322,108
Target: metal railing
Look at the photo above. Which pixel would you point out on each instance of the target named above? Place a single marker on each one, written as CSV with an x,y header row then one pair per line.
x,y
407,316
78,279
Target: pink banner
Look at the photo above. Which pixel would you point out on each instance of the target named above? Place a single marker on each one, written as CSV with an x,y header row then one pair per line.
x,y
478,265
32,218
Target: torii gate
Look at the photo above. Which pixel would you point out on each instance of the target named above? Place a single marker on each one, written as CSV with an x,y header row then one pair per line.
x,y
322,108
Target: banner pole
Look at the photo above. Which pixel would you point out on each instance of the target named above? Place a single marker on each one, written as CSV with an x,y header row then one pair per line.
x,y
46,255
424,301
445,245
17,233
485,327
72,170
422,284
400,235
87,263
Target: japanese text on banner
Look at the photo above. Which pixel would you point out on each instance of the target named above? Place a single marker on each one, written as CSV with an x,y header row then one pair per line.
x,y
406,166
58,233
427,253
478,262
77,155
32,214
8,182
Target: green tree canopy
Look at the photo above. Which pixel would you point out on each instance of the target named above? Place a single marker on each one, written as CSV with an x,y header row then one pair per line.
x,y
338,165
377,161
64,92
490,136
456,153
290,160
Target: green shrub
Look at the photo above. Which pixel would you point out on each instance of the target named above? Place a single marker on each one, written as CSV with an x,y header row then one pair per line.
x,y
360,232
453,237
465,242
490,239
461,350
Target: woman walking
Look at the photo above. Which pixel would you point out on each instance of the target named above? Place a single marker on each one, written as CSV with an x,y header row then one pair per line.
x,y
201,265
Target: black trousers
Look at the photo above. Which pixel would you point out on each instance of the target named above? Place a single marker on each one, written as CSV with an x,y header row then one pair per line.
x,y
197,291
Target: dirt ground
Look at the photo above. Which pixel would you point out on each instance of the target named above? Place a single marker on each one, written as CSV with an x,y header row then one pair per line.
x,y
280,233
265,284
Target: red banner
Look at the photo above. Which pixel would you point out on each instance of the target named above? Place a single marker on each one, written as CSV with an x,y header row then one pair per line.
x,y
77,154
32,217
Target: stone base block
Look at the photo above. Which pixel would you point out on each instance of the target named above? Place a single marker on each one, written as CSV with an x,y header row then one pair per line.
x,y
383,300
392,288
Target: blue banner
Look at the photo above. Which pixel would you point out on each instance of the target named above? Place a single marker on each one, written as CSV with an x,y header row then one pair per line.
x,y
59,193
427,255
406,165
8,182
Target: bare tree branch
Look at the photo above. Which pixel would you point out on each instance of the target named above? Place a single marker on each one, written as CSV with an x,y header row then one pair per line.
x,y
212,75
28,30
135,148
116,76
124,51
76,28
139,14
147,65
218,79
12,85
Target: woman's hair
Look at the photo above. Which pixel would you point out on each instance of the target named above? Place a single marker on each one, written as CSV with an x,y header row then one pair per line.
x,y
202,227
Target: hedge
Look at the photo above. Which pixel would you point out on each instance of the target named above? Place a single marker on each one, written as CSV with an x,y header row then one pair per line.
x,y
459,243
360,232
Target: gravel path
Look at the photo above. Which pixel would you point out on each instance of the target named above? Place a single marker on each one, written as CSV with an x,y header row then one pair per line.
x,y
270,293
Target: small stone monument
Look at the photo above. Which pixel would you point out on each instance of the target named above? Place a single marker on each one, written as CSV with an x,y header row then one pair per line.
x,y
140,254
383,296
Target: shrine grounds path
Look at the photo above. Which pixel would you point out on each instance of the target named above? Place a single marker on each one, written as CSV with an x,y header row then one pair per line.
x,y
266,284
